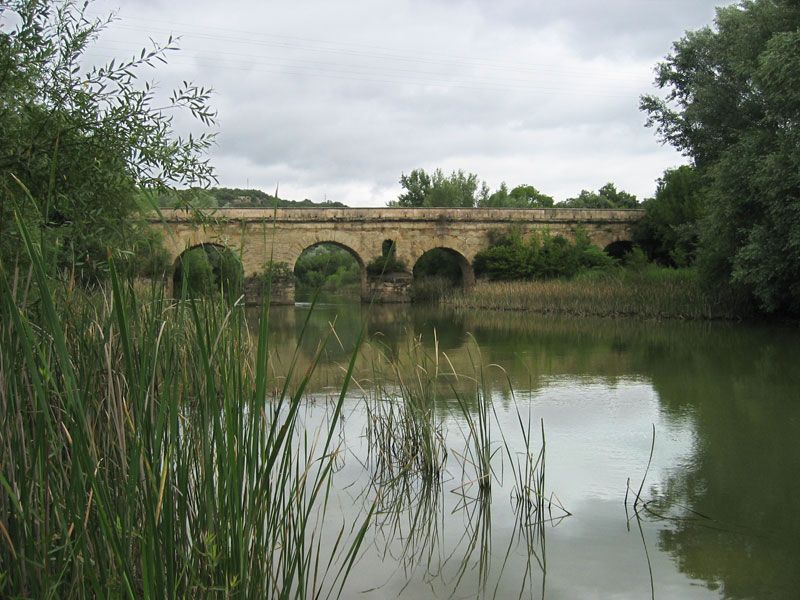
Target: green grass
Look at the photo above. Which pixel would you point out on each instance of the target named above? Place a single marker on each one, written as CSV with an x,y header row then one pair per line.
x,y
651,293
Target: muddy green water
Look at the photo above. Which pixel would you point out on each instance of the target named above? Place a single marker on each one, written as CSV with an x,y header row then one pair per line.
x,y
723,490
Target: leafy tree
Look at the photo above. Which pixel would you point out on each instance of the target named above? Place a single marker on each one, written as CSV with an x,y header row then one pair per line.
x,y
669,231
459,189
417,185
527,196
607,196
732,104
522,196
439,262
78,145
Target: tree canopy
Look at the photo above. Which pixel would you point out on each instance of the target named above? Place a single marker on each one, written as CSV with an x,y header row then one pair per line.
x,y
522,196
78,144
669,231
607,196
459,189
732,104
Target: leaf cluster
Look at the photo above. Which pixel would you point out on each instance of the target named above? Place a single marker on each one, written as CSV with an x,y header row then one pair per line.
x,y
669,232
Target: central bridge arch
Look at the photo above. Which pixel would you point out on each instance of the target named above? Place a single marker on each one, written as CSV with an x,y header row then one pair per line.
x,y
362,268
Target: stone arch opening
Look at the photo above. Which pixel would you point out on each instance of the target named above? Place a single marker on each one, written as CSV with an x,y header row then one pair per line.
x,y
331,268
619,249
439,270
206,270
388,247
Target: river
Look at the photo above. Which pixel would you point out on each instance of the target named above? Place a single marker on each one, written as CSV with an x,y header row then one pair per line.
x,y
717,515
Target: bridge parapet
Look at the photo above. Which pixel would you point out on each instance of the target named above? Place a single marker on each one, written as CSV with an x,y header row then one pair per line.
x,y
392,214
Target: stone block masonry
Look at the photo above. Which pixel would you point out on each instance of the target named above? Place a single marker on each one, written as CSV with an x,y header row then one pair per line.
x,y
261,236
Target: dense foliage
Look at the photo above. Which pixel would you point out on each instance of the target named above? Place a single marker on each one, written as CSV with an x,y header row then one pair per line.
x,y
607,196
464,190
78,143
538,256
733,105
669,231
459,189
387,262
328,267
439,262
208,271
522,196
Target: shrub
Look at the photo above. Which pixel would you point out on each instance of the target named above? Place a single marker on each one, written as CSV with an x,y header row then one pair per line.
x,y
387,262
208,270
541,256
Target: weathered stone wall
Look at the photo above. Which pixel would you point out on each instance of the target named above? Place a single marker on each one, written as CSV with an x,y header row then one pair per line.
x,y
388,288
262,236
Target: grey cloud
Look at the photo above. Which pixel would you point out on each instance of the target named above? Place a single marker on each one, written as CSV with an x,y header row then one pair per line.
x,y
340,98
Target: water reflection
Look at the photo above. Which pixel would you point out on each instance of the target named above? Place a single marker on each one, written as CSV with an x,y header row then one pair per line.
x,y
725,400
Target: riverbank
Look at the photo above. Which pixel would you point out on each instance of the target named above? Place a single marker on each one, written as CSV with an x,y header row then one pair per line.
x,y
650,293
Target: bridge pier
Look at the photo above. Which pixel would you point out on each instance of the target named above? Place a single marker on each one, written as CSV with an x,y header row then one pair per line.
x,y
389,288
281,292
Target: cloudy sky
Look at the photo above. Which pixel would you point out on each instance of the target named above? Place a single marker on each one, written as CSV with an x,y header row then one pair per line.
x,y
336,99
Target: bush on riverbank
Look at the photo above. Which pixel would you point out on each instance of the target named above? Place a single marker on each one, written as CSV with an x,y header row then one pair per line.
x,y
539,256
649,292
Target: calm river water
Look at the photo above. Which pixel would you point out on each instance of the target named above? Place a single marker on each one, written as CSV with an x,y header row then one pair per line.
x,y
722,492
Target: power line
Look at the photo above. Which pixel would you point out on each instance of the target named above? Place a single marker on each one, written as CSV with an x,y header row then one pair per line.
x,y
300,70
263,39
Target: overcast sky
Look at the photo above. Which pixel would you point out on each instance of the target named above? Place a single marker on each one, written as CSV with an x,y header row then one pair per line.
x,y
336,99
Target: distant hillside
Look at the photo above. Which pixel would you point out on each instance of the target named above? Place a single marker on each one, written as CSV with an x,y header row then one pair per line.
x,y
234,198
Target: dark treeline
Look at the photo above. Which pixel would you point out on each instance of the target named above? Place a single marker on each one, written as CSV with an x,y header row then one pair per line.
x,y
220,197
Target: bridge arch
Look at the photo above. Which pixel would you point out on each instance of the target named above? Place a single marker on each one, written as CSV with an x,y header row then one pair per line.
x,y
208,267
466,276
319,243
618,249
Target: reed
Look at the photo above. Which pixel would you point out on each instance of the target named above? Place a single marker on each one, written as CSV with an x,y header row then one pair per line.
x,y
143,455
652,293
405,434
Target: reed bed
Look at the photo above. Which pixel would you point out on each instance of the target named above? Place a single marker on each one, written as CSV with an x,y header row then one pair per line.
x,y
650,294
144,455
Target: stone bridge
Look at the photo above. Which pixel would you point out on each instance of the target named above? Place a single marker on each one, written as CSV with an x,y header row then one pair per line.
x,y
279,236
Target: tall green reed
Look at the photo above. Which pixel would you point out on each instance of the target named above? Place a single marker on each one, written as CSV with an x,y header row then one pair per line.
x,y
142,454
